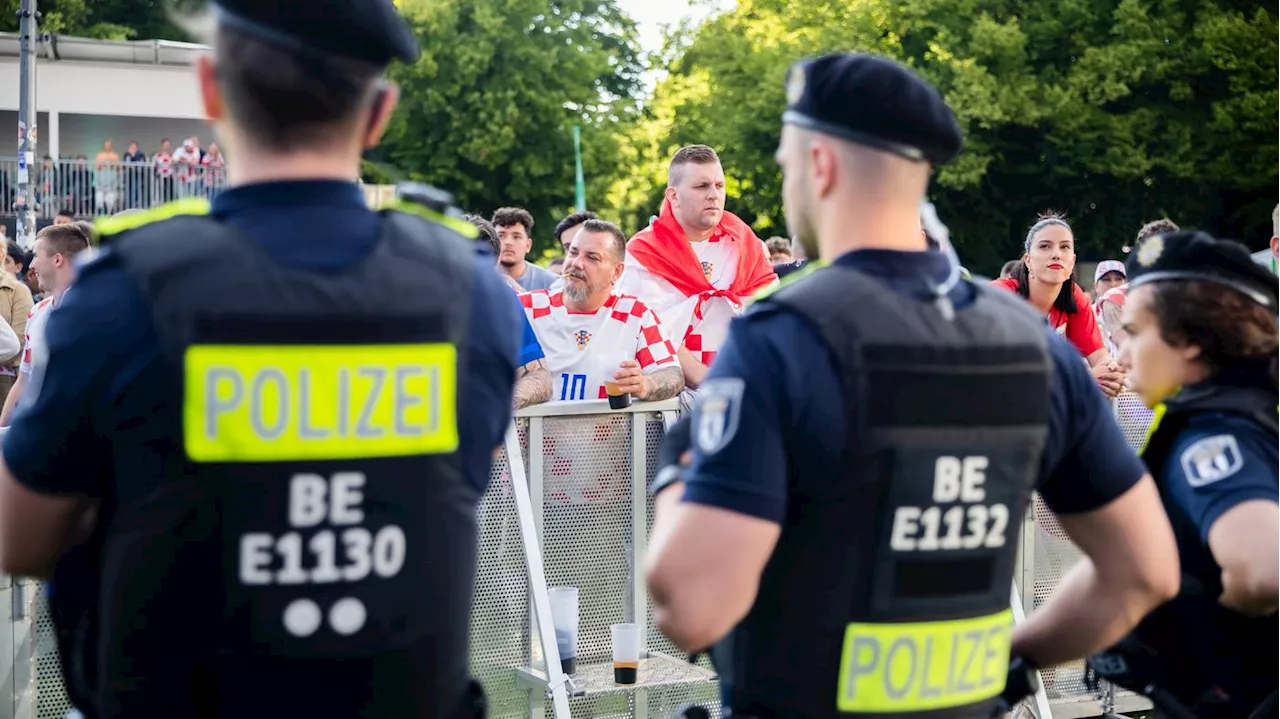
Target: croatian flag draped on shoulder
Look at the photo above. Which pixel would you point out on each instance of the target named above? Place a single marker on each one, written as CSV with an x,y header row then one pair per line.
x,y
696,287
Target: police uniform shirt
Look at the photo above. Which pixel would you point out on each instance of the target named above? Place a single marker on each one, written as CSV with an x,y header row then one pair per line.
x,y
107,391
1218,461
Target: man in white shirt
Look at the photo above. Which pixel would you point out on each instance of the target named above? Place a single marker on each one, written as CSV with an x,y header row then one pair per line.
x,y
515,240
696,265
53,259
591,335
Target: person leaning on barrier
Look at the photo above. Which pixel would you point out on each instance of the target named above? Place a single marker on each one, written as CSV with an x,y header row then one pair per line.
x,y
866,444
1201,349
281,409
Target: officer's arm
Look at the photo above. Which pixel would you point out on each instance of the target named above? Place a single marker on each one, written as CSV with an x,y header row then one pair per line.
x,y
1109,505
54,459
1223,475
36,529
1244,542
712,537
1130,567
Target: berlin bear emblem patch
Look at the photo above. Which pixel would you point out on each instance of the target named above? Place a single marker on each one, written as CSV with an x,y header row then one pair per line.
x,y
717,413
1211,459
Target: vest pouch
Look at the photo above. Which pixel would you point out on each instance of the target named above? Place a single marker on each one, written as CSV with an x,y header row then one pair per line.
x,y
331,562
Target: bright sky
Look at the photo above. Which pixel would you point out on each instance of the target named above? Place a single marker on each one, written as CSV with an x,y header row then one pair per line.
x,y
651,15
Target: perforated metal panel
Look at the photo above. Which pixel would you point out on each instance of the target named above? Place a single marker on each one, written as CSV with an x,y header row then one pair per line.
x,y
51,694
1055,554
500,613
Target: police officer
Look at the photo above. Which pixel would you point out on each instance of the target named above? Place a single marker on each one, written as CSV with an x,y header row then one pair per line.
x,y
1201,349
275,415
868,439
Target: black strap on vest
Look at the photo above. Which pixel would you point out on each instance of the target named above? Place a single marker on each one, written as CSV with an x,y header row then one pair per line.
x,y
920,522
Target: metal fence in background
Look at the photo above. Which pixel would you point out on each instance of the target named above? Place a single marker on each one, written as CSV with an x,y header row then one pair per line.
x,y
582,464
87,188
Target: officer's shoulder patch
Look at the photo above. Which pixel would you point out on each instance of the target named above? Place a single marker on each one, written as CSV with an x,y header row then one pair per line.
x,y
1211,459
717,413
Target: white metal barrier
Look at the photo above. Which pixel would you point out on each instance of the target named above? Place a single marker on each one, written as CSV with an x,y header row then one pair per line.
x,y
585,468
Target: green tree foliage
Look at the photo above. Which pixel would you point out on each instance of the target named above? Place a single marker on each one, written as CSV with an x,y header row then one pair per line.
x,y
101,19
1117,112
488,111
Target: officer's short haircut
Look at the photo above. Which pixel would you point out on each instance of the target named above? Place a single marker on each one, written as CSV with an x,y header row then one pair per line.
x,y
617,240
778,245
1227,326
512,216
572,221
691,155
66,240
1163,226
286,99
487,232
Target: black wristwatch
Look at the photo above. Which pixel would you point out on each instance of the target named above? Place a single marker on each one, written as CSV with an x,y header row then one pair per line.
x,y
666,477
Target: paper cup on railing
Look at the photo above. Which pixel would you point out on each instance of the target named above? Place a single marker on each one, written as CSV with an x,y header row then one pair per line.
x,y
564,617
626,653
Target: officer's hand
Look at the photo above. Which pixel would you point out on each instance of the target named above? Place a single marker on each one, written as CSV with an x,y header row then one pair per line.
x,y
1110,378
631,380
676,446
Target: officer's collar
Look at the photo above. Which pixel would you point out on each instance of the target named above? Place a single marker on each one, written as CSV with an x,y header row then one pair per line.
x,y
896,263
288,193
1248,374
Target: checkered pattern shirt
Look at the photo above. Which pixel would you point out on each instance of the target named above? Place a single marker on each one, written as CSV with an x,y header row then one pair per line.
x,y
578,345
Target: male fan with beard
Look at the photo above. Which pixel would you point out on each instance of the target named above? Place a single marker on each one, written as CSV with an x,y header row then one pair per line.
x,y
585,326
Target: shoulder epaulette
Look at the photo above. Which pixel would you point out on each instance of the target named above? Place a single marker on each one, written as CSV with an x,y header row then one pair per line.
x,y
119,223
462,227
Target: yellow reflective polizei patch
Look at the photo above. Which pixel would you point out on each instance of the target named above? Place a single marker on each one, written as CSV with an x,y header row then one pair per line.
x,y
276,403
919,666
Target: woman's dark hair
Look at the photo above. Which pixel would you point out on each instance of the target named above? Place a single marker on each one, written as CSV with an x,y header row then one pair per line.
x,y
1065,302
1228,327
17,254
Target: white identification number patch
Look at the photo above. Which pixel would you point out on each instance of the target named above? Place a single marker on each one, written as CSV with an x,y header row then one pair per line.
x,y
1211,459
967,523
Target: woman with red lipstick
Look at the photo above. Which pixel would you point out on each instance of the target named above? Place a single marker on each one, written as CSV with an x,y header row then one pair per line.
x,y
1045,279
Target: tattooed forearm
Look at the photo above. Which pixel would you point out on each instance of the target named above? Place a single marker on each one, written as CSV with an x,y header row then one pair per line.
x,y
533,384
665,384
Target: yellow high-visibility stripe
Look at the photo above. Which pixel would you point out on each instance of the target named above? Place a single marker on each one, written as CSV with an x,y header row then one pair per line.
x,y
272,403
120,223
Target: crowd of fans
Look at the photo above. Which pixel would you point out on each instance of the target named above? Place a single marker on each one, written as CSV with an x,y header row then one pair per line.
x,y
110,182
599,301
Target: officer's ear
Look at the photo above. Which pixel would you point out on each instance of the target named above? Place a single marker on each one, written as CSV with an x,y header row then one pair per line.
x,y
210,93
384,103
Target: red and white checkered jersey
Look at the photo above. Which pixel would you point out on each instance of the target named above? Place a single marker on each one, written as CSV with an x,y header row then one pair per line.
x,y
35,350
701,330
1107,309
577,345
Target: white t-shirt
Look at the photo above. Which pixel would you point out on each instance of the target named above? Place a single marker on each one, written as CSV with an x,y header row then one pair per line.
x,y
703,330
578,346
36,352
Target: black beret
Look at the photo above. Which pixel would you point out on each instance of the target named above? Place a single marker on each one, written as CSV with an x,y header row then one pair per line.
x,y
371,31
873,101
1198,256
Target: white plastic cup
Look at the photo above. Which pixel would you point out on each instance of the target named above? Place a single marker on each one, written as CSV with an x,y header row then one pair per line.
x,y
564,619
626,653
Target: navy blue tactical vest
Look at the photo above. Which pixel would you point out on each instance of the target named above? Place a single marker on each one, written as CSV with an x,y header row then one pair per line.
x,y
1218,661
888,592
311,548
